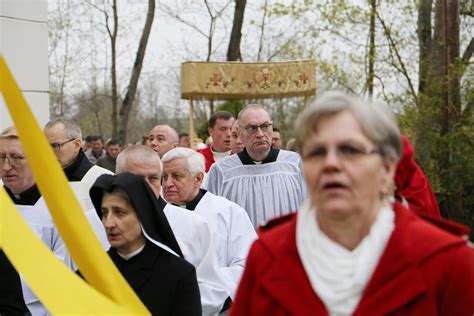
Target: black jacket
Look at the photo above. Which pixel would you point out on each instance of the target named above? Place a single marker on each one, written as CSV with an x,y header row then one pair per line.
x,y
11,295
78,169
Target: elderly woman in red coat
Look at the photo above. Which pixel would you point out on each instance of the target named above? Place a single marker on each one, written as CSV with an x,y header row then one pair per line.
x,y
350,250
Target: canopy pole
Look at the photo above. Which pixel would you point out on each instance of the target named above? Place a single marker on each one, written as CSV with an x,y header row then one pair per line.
x,y
191,124
305,102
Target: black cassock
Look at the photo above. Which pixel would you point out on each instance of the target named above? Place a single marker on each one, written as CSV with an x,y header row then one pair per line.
x,y
166,284
11,295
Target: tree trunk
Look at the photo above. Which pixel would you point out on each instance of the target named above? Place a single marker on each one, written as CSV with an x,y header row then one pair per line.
x,y
233,52
440,71
448,13
211,106
371,73
429,80
424,40
453,54
113,41
137,67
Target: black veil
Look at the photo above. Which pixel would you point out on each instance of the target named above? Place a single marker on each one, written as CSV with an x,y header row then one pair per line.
x,y
155,226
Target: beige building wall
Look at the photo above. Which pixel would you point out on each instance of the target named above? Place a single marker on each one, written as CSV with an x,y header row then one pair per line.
x,y
24,45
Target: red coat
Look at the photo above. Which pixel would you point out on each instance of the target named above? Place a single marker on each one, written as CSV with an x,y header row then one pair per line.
x,y
412,183
207,153
423,271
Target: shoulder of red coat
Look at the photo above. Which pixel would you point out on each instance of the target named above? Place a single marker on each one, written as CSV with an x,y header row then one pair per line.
x,y
432,234
445,224
276,222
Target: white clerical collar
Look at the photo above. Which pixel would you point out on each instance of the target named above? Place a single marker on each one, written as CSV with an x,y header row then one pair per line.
x,y
132,254
218,156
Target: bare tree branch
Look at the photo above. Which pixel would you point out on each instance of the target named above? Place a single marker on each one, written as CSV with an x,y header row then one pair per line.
x,y
282,47
262,30
175,15
466,57
393,47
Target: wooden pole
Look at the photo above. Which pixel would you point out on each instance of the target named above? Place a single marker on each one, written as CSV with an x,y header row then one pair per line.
x,y
191,124
305,102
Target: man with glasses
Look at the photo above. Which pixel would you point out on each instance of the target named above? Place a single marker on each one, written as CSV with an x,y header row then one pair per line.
x,y
64,136
20,186
265,181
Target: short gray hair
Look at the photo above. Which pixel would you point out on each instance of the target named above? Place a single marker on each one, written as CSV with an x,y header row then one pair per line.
x,y
9,132
196,161
376,120
70,127
139,152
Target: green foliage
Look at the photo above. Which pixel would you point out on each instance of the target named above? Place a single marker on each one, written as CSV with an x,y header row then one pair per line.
x,y
232,106
446,158
201,131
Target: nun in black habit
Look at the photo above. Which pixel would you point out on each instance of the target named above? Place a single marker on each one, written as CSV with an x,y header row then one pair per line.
x,y
143,246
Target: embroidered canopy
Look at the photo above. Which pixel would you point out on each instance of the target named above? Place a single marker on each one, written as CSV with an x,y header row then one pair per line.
x,y
238,80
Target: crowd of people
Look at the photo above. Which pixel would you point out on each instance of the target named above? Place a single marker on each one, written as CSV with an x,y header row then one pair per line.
x,y
342,222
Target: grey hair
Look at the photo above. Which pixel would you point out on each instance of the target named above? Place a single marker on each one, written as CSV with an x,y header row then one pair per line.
x,y
196,161
376,120
70,128
139,152
9,132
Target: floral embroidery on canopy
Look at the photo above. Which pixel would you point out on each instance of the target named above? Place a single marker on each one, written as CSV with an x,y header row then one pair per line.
x,y
231,80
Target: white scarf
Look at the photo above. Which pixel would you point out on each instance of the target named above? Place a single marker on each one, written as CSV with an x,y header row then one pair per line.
x,y
338,275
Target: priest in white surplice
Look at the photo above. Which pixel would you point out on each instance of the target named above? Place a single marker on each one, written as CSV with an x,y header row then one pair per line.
x,y
20,186
183,172
266,182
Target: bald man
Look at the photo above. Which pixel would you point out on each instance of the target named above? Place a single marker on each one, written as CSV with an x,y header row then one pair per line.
x,y
162,139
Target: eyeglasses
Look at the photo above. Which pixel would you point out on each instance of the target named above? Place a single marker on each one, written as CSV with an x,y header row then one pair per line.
x,y
57,146
252,129
13,160
345,152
